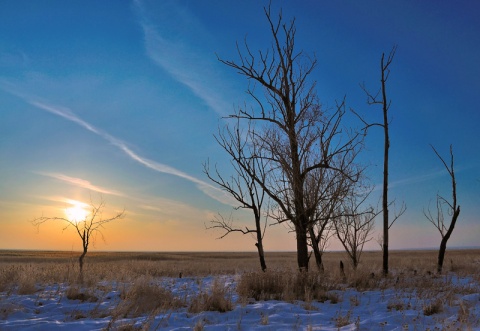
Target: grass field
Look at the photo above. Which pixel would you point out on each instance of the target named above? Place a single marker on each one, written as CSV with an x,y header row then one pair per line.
x,y
148,287
218,263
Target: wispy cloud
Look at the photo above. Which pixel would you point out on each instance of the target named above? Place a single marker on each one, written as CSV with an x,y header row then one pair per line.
x,y
67,201
81,183
66,113
413,180
186,64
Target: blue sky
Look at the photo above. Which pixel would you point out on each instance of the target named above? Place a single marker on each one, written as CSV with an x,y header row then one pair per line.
x,y
122,98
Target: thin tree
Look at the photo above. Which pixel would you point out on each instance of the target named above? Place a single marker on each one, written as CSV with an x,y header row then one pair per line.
x,y
451,207
297,135
87,228
354,225
380,98
241,186
334,189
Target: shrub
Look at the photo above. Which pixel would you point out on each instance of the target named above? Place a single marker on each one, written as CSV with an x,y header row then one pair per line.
x,y
8,277
342,320
144,297
287,286
268,285
433,307
217,299
26,284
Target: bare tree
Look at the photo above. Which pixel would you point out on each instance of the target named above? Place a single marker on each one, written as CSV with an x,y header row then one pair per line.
x,y
354,225
330,189
87,228
380,98
241,186
297,135
451,207
320,233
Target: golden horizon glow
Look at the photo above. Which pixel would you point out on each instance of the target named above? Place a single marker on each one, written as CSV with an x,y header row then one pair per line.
x,y
77,212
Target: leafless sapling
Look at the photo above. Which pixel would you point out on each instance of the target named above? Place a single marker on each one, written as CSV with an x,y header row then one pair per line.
x,y
87,228
451,207
354,225
330,190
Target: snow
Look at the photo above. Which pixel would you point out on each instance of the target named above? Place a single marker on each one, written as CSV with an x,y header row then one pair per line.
x,y
383,309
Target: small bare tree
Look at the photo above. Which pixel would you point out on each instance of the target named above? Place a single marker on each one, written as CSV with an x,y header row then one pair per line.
x,y
443,205
241,186
353,225
329,192
87,228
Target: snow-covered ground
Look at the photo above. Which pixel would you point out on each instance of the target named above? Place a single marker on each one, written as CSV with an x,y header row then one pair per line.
x,y
390,309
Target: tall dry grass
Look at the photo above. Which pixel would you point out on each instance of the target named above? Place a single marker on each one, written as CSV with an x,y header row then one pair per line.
x,y
137,278
27,269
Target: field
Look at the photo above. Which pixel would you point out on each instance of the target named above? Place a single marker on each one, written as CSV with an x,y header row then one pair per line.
x,y
227,291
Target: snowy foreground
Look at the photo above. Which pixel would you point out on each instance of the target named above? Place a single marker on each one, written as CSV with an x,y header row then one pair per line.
x,y
391,309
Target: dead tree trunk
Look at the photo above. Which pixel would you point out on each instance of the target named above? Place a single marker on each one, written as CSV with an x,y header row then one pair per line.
x,y
452,207
386,224
374,99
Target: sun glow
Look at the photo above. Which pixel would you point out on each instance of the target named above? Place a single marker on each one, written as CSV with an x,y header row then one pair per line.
x,y
77,212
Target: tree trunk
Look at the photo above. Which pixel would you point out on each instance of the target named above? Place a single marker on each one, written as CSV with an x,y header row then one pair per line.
x,y
80,259
441,255
316,250
385,173
85,238
261,255
259,243
443,243
302,248
355,262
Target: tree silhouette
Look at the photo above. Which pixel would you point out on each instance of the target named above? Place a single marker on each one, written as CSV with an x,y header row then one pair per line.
x,y
451,207
87,228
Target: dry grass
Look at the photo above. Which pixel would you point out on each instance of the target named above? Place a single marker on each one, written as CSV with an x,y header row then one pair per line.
x,y
285,285
145,296
218,298
170,264
138,276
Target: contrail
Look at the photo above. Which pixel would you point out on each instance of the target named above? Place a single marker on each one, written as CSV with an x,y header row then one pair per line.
x,y
67,114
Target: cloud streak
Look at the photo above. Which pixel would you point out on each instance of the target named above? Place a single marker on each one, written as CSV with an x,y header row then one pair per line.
x,y
412,180
68,114
182,61
81,183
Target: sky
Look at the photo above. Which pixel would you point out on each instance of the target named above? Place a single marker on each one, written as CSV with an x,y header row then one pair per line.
x,y
119,100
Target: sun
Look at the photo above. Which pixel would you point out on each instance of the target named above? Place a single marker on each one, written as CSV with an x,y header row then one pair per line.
x,y
76,213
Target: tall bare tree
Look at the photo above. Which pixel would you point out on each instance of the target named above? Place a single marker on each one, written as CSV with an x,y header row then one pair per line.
x,y
87,228
242,185
451,207
380,98
297,136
